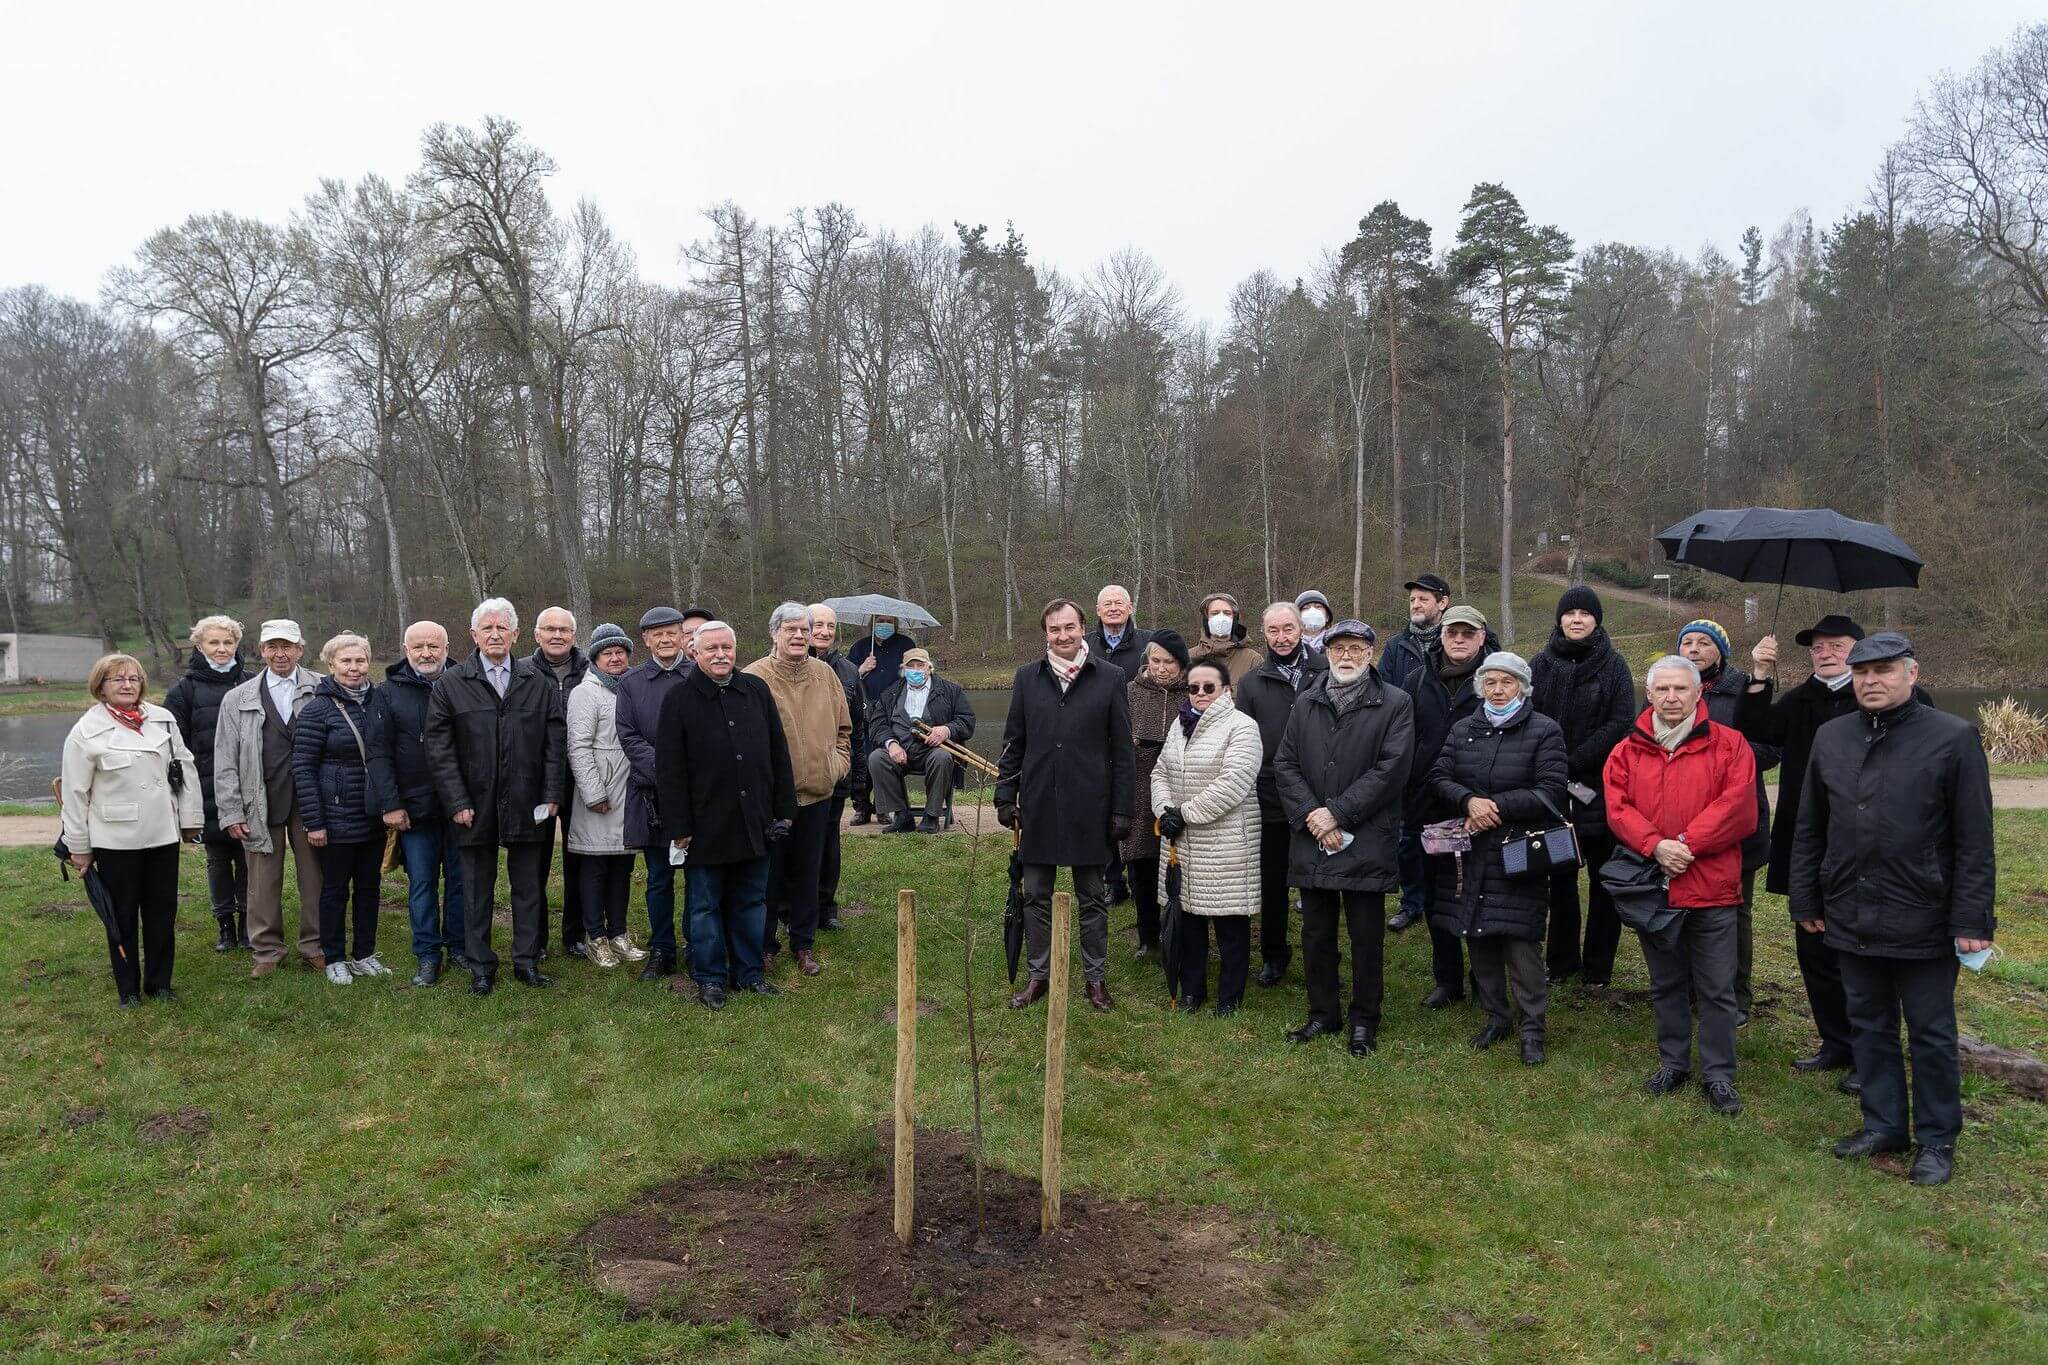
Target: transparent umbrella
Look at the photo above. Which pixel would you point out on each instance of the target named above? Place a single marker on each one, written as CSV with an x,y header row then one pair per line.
x,y
862,608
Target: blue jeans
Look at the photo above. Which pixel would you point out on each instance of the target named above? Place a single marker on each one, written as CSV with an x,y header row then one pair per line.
x,y
661,900
728,913
436,913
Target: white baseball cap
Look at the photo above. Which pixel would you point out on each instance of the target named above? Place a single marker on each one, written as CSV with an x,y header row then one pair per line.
x,y
281,629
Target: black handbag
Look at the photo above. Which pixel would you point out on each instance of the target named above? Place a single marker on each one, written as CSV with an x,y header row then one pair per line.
x,y
1541,852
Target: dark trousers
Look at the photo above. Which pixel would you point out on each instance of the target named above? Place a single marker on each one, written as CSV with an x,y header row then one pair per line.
x,y
606,885
1745,945
526,886
572,883
1092,891
1692,969
227,878
661,900
1563,953
726,905
793,864
1274,838
349,872
1414,874
1879,990
828,870
143,884
1114,876
1233,954
1365,918
1144,875
1504,965
1820,967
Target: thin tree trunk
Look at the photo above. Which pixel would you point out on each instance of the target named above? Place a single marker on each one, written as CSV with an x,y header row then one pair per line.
x,y
1507,500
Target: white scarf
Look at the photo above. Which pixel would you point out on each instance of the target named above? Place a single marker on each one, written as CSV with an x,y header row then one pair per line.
x,y
1838,682
1065,671
1671,736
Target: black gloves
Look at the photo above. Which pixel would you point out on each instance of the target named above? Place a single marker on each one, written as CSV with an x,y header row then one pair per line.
x,y
1119,828
1006,815
1171,826
778,830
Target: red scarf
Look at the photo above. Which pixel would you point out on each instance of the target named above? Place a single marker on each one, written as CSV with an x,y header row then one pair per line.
x,y
131,719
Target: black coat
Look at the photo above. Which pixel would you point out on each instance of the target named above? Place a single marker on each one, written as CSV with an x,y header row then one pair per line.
x,y
947,706
1508,764
1357,765
1129,654
498,757
1268,698
722,767
888,661
1403,656
1788,723
856,711
1894,844
1594,700
342,786
194,702
642,690
1437,708
1068,764
405,695
1724,706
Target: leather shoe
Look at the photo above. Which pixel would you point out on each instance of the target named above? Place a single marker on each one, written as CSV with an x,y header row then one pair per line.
x,y
1098,998
861,817
531,976
1933,1166
807,962
1824,1060
1532,1052
261,969
1271,973
1488,1036
1362,1040
314,961
659,964
1119,892
831,921
711,996
1224,1011
480,983
1187,1004
1443,997
578,949
899,823
1664,1080
1309,1032
928,824
1849,1085
1403,918
429,973
1033,992
764,988
1866,1143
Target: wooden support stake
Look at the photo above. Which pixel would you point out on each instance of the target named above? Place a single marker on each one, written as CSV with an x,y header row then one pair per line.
x,y
906,1061
1055,1066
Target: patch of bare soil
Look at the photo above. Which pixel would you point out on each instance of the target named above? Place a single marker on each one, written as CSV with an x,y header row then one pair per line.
x,y
189,1121
83,1118
925,1010
793,1241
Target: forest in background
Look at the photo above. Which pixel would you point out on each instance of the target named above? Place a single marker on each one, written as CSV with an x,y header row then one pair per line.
x,y
411,395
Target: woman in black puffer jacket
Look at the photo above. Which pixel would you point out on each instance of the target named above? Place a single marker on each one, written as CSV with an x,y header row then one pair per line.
x,y
194,701
1498,767
1583,683
341,777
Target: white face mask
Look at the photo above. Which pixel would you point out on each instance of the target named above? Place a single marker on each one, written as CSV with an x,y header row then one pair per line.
x,y
1314,619
1220,623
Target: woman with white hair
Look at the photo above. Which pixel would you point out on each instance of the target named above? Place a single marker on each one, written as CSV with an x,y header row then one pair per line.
x,y
1503,769
214,670
346,795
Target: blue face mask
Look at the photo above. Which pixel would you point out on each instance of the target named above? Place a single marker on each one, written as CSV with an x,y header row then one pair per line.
x,y
914,676
884,631
227,667
1976,961
1502,714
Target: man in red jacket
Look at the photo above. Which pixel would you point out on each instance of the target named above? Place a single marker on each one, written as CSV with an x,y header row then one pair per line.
x,y
1682,790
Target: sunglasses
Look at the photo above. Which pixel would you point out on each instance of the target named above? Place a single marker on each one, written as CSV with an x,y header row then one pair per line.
x,y
1204,689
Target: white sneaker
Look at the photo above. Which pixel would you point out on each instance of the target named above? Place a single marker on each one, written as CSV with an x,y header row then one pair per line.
x,y
368,966
338,974
623,946
598,952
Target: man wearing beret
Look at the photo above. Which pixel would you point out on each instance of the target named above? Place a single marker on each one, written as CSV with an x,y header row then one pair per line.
x,y
1893,866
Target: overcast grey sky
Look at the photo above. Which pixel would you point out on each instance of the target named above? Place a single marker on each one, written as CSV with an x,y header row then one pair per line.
x,y
1219,138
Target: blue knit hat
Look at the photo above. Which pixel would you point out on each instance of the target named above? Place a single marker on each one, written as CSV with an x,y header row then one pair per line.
x,y
1712,630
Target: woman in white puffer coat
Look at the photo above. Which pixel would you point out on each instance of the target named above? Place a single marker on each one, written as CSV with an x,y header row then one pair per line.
x,y
1205,793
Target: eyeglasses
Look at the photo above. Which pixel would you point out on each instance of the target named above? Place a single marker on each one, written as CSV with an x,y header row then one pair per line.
x,y
1204,689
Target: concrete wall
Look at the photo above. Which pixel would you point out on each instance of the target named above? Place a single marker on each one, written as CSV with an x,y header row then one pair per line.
x,y
58,658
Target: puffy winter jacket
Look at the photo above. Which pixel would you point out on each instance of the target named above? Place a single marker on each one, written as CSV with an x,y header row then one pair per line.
x,y
1212,778
1704,792
405,695
341,786
194,702
1509,765
1356,764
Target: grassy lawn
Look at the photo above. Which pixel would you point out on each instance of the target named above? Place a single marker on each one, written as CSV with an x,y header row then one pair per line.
x,y
398,1175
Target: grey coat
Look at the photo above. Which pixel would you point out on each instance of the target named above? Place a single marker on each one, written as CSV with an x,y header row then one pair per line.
x,y
598,767
238,756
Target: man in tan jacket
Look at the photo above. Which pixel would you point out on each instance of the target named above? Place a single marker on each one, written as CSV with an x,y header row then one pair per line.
x,y
819,729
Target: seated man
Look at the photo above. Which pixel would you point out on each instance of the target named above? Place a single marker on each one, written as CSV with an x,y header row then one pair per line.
x,y
919,695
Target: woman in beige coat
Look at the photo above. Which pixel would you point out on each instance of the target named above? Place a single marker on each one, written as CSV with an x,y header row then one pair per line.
x,y
1205,793
130,792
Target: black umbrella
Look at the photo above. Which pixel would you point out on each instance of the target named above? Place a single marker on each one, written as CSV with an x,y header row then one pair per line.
x,y
1013,909
1169,921
1804,547
96,895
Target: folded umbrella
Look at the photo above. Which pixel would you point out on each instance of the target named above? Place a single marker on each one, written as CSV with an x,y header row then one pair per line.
x,y
1013,909
96,895
862,608
1169,921
1809,547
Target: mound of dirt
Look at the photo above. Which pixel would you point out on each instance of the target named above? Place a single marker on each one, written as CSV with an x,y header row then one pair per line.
x,y
792,1241
187,1122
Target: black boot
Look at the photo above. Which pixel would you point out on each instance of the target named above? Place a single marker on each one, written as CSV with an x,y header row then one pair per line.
x,y
225,943
660,964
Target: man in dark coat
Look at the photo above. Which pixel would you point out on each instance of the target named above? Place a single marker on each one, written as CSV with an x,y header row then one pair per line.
x,y
1789,723
1267,694
1445,691
1893,863
559,660
667,634
825,647
497,742
1584,684
1116,638
896,747
214,670
1342,769
1067,782
1429,596
727,791
433,863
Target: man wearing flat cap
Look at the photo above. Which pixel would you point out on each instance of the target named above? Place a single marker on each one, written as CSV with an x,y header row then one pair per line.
x,y
919,695
1893,866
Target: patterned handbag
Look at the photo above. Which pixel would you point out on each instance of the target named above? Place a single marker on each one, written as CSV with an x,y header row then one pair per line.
x,y
1541,852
